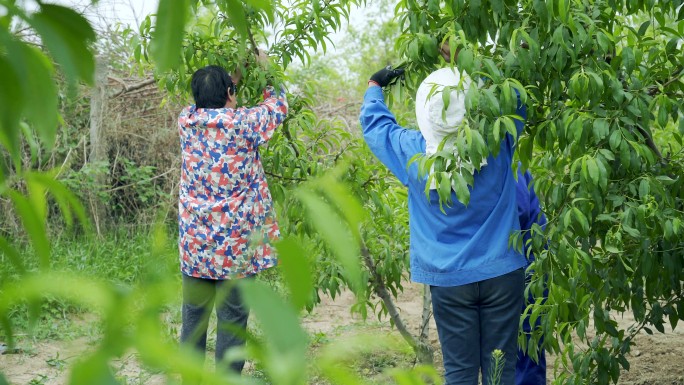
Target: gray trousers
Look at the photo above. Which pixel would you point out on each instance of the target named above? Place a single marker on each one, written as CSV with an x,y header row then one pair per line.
x,y
200,296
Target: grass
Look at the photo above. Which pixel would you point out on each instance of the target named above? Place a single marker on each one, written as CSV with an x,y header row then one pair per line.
x,y
125,257
122,257
373,366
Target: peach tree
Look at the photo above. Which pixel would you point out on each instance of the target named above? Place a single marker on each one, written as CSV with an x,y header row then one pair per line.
x,y
307,147
602,82
308,163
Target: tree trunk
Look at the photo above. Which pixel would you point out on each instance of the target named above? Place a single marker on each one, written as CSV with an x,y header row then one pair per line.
x,y
424,352
425,318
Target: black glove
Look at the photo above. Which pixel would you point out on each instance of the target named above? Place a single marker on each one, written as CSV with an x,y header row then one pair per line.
x,y
386,75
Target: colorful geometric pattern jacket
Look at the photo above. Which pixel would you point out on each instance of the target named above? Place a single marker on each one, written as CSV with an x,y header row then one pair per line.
x,y
225,210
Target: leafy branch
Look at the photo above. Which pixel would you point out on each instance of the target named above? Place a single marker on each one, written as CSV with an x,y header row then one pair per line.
x,y
423,351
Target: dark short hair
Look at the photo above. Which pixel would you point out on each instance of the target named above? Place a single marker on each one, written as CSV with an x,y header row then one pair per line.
x,y
210,86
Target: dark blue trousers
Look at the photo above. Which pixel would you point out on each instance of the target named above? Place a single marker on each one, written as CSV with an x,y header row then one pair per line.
x,y
475,319
200,296
528,372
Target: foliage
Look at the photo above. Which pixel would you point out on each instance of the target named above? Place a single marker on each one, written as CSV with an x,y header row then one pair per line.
x,y
601,80
309,146
130,313
495,371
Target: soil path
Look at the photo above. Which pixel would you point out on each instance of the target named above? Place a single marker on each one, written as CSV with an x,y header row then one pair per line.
x,y
656,359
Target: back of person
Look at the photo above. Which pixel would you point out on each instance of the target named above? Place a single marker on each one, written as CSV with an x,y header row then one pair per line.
x,y
216,145
476,279
224,197
465,244
225,212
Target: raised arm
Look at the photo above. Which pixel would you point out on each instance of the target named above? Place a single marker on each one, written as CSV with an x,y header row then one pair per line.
x,y
266,116
392,144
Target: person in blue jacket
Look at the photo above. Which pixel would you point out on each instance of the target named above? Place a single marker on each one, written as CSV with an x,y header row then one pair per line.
x,y
527,371
476,279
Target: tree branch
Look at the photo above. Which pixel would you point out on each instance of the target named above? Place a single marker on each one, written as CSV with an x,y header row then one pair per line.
x,y
255,47
285,177
649,142
303,30
654,90
423,351
138,182
128,88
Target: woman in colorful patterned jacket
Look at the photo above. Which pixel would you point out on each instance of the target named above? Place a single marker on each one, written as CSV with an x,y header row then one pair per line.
x,y
226,216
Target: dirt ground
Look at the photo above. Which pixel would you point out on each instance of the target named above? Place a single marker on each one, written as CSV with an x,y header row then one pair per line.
x,y
656,359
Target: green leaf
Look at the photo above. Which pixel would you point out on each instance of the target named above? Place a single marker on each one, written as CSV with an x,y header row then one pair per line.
x,y
345,202
631,231
236,13
67,201
286,341
644,188
607,154
567,219
564,10
92,370
444,188
34,225
461,187
429,45
612,249
13,255
615,140
279,321
167,37
446,99
493,102
68,36
593,170
628,59
40,90
601,128
604,42
492,70
584,224
337,235
264,5
296,271
11,103
465,60
510,127
663,115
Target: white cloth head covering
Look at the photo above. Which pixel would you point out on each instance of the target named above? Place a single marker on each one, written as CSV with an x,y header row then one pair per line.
x,y
435,122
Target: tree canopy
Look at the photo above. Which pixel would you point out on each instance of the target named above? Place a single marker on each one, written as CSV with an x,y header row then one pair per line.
x,y
602,83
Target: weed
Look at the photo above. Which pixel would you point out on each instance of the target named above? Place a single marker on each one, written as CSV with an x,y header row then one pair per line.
x,y
56,362
319,338
496,370
40,380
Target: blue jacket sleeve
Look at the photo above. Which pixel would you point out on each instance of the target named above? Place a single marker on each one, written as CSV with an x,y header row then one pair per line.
x,y
536,215
529,210
392,144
